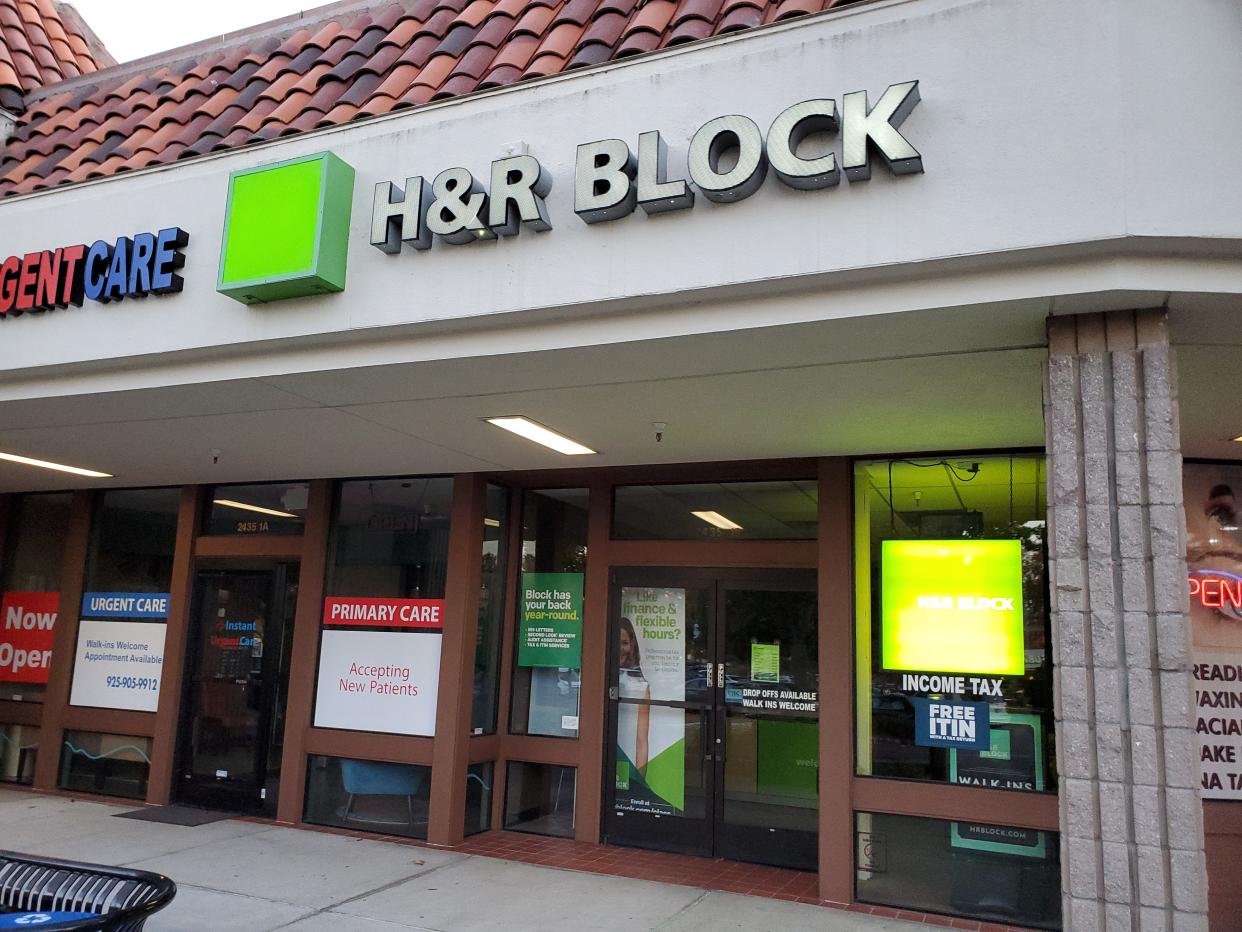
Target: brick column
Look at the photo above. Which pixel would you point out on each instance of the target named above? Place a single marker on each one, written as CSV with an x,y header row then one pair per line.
x,y
1131,818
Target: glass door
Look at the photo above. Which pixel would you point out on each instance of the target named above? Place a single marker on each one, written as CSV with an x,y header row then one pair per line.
x,y
660,786
713,714
769,718
237,676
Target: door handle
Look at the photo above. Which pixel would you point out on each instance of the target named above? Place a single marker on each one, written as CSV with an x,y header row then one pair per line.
x,y
720,675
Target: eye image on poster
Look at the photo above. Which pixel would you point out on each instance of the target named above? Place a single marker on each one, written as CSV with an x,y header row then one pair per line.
x,y
1214,563
651,740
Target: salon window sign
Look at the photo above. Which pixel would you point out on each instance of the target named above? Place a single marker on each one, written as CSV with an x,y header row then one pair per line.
x,y
551,626
129,267
379,664
27,633
1214,561
727,161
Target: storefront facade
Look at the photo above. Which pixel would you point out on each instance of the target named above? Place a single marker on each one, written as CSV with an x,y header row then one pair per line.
x,y
882,361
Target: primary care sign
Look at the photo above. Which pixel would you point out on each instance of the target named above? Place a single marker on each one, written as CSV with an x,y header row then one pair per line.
x,y
385,680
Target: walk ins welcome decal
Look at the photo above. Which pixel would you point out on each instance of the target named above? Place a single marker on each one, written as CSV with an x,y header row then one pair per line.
x,y
651,740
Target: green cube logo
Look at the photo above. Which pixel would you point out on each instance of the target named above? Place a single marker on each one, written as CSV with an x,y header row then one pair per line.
x,y
286,230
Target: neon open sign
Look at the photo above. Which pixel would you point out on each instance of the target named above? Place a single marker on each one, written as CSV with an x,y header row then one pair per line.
x,y
1217,589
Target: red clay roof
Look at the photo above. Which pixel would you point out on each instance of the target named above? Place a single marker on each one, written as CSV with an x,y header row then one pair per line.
x,y
334,65
43,42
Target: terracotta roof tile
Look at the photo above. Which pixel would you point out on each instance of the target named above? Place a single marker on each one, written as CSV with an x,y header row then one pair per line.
x,y
495,31
328,68
534,21
517,52
689,30
605,29
637,42
500,76
740,17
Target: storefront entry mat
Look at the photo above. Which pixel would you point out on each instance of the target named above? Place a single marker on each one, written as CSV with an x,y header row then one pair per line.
x,y
176,815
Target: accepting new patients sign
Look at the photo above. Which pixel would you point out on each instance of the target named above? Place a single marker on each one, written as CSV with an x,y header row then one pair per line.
x,y
379,664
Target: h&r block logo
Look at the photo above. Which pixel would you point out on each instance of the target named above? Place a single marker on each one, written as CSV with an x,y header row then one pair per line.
x,y
286,230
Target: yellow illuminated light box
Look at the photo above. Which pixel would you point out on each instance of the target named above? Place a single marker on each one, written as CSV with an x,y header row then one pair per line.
x,y
952,606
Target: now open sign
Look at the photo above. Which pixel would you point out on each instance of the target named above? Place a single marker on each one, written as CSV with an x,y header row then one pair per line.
x,y
27,631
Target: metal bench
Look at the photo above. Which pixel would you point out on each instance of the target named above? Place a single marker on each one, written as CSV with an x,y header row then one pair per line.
x,y
116,899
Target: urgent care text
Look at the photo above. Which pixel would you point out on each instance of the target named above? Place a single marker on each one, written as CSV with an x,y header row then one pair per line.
x,y
132,267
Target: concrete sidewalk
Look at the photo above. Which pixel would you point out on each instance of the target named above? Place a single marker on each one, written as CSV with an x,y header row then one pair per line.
x,y
249,877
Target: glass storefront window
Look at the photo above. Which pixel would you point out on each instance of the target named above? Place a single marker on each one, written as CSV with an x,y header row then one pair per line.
x,y
539,798
491,611
368,795
270,508
34,550
132,540
954,672
113,765
126,598
479,797
383,615
778,510
19,747
988,872
548,658
390,538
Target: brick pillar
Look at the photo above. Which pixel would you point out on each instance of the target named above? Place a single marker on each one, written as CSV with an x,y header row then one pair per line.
x,y
1131,819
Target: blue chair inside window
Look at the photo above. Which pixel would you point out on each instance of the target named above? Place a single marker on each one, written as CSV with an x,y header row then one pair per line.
x,y
380,778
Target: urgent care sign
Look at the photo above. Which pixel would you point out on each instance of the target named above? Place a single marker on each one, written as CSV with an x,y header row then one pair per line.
x,y
27,631
379,665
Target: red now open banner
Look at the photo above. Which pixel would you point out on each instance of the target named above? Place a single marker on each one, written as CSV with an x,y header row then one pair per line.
x,y
423,614
27,630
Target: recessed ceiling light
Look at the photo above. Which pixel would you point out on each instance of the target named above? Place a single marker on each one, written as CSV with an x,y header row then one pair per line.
x,y
229,503
716,519
1235,439
537,433
59,467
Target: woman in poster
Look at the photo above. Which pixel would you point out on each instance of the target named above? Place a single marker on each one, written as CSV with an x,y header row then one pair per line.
x,y
633,685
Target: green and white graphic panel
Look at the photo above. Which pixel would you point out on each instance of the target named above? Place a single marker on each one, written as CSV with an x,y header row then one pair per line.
x,y
651,739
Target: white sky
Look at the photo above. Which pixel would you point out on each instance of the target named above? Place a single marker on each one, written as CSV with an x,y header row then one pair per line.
x,y
137,28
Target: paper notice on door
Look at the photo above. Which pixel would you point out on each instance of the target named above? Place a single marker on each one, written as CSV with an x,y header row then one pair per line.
x,y
765,663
